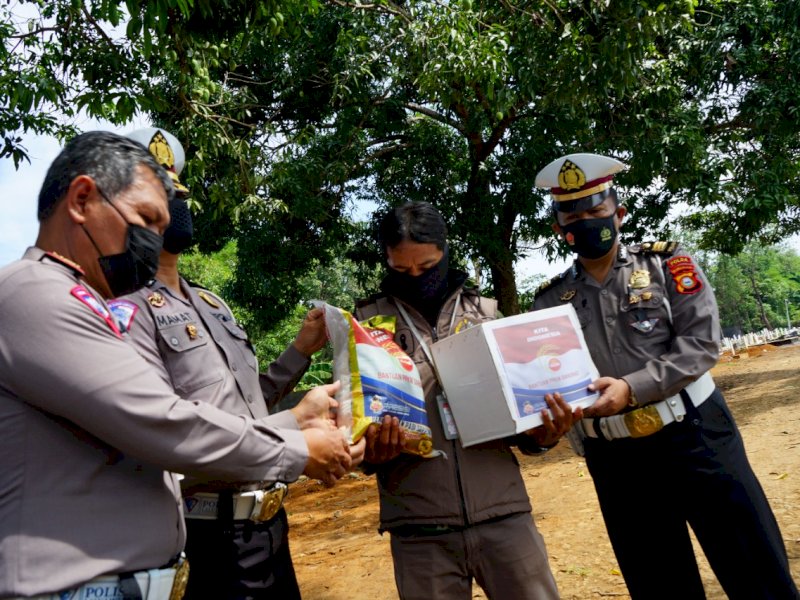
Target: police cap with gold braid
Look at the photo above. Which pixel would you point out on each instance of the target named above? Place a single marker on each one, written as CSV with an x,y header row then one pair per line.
x,y
578,182
167,150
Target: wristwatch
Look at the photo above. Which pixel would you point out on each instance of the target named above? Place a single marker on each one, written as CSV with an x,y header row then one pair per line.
x,y
632,402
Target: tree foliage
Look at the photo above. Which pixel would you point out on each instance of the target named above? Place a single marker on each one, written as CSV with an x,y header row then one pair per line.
x,y
295,112
755,288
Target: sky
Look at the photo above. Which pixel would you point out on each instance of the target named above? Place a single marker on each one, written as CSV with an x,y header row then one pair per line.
x,y
19,191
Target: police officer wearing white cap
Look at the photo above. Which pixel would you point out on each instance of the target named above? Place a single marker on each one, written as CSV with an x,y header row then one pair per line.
x,y
237,536
660,442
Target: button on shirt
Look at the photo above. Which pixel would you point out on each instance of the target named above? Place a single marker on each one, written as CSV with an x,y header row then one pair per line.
x,y
639,325
87,431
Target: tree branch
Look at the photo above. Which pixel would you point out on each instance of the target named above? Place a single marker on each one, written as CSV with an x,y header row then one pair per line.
x,y
436,116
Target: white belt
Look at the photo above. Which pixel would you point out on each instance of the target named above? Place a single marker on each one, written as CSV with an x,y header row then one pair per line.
x,y
258,506
155,584
649,418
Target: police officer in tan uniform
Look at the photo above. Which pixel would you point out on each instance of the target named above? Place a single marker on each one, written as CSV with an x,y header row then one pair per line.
x,y
660,442
89,432
237,537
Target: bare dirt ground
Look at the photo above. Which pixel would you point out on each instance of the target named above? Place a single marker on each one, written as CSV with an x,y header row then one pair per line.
x,y
339,554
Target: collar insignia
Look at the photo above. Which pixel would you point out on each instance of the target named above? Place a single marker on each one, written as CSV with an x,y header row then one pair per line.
x,y
156,300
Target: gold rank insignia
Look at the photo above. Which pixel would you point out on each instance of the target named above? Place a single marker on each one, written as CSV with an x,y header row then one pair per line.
x,y
647,295
208,299
633,299
567,296
640,279
192,331
156,299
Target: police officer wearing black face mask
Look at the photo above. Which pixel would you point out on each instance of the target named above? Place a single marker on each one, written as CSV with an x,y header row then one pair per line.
x,y
661,445
439,510
237,537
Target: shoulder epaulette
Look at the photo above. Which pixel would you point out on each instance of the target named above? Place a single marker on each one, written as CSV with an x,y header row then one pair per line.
x,y
55,256
546,285
658,247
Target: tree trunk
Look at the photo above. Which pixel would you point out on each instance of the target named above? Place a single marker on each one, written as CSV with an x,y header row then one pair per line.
x,y
505,286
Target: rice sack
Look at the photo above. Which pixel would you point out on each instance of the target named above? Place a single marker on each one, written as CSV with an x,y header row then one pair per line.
x,y
378,379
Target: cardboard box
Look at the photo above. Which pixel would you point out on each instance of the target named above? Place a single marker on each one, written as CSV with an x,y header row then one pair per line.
x,y
496,374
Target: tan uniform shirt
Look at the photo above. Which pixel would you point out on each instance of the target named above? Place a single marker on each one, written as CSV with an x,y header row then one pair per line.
x,y
652,322
87,430
196,347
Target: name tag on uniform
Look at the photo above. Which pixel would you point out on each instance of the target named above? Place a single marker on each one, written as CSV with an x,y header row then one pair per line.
x,y
448,422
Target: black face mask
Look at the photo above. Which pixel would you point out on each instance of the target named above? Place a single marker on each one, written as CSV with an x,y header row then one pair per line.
x,y
428,285
591,238
178,236
130,270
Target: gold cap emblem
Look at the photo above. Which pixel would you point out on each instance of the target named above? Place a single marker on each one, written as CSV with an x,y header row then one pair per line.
x,y
159,147
570,177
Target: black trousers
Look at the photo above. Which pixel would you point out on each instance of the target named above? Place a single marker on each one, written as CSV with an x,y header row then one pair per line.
x,y
240,561
694,472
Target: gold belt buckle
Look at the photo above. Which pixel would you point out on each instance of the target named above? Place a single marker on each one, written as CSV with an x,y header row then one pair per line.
x,y
181,579
643,421
271,503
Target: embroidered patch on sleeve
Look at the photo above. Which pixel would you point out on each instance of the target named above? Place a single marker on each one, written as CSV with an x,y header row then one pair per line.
x,y
97,307
124,311
684,273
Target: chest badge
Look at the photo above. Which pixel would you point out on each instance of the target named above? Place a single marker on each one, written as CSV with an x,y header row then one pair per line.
x,y
156,299
208,299
640,279
633,299
567,296
645,326
192,331
647,295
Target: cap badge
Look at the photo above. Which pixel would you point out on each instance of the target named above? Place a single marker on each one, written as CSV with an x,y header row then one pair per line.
x,y
640,279
192,331
208,299
605,234
567,296
159,147
570,177
156,299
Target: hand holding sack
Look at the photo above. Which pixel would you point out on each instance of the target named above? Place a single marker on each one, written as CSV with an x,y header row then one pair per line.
x,y
377,378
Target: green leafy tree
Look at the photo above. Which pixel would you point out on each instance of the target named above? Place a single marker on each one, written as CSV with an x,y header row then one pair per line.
x,y
458,103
